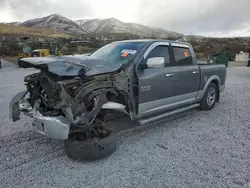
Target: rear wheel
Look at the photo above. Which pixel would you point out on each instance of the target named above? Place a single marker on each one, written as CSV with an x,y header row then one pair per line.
x,y
209,99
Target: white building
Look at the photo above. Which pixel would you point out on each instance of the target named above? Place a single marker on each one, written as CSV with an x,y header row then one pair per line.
x,y
242,56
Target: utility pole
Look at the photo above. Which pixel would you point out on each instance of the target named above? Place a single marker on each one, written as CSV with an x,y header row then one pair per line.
x,y
247,45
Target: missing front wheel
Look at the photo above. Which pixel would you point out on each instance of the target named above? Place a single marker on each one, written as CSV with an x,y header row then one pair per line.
x,y
92,144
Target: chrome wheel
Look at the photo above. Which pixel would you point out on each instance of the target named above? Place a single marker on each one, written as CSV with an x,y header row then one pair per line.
x,y
211,96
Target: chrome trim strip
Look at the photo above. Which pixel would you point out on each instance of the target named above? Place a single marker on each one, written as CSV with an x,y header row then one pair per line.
x,y
170,102
180,45
168,114
115,106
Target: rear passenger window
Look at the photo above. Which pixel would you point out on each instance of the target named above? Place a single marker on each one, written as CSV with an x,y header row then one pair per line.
x,y
182,56
160,51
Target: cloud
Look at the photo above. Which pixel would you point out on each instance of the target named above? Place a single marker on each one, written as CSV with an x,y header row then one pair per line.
x,y
28,9
196,16
213,17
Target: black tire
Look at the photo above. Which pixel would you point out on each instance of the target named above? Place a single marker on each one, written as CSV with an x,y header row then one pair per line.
x,y
91,149
205,104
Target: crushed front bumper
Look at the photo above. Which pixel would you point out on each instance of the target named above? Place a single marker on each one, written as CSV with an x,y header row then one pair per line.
x,y
56,127
14,107
53,127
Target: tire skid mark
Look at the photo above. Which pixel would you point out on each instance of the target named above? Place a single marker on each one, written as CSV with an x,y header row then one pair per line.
x,y
38,160
10,140
23,148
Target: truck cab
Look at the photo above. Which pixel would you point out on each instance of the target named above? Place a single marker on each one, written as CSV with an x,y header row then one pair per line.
x,y
170,79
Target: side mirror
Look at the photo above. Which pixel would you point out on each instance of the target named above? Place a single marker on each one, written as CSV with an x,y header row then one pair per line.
x,y
155,62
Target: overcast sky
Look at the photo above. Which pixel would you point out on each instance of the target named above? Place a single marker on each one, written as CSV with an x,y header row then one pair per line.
x,y
200,17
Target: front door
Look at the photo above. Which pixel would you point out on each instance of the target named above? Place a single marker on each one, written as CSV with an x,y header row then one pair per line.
x,y
155,84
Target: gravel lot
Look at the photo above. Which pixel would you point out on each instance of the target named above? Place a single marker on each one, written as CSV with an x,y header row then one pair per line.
x,y
199,149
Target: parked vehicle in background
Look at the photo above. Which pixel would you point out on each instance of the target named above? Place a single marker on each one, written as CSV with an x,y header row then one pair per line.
x,y
146,80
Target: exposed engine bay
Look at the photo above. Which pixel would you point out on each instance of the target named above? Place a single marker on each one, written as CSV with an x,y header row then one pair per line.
x,y
78,99
74,93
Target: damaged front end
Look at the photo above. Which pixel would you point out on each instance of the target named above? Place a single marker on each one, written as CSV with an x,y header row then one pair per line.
x,y
61,104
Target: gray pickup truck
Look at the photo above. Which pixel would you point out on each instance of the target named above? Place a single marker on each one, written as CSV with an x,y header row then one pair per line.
x,y
146,80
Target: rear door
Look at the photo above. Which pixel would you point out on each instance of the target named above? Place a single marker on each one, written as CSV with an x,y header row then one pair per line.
x,y
186,74
155,84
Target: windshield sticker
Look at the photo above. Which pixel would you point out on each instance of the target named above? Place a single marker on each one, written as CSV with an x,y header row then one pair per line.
x,y
128,51
186,54
124,54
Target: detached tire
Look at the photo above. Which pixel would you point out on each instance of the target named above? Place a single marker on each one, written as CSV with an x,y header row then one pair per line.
x,y
210,97
91,149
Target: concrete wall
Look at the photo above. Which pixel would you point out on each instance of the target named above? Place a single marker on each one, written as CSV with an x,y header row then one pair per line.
x,y
242,57
237,63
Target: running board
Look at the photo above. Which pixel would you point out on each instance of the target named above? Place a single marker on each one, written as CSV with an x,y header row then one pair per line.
x,y
168,114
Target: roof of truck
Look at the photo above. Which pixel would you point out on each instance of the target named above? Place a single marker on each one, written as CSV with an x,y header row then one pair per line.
x,y
152,41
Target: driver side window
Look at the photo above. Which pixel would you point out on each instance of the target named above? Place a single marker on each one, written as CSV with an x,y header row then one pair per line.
x,y
160,51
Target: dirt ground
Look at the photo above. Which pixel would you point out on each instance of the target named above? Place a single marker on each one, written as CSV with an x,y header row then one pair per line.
x,y
198,149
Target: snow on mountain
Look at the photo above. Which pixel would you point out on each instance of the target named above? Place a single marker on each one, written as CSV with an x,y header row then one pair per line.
x,y
57,23
100,26
113,25
89,25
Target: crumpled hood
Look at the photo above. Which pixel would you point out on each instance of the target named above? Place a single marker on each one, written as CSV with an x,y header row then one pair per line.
x,y
72,65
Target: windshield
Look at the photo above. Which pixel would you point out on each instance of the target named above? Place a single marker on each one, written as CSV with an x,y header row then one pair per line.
x,y
118,53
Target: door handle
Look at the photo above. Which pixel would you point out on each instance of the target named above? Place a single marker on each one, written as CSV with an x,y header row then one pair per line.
x,y
169,75
195,72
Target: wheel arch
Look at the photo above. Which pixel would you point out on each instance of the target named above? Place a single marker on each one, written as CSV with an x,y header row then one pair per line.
x,y
217,83
213,79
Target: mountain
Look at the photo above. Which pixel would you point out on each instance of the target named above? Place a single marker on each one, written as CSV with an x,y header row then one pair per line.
x,y
19,31
113,25
14,23
61,24
57,23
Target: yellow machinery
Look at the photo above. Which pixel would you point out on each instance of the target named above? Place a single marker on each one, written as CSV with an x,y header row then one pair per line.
x,y
25,49
46,49
40,53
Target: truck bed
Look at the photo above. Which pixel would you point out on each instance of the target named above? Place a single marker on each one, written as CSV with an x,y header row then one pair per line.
x,y
209,71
